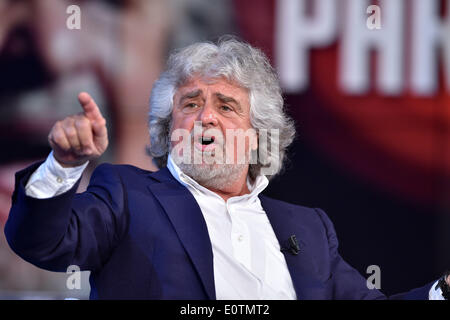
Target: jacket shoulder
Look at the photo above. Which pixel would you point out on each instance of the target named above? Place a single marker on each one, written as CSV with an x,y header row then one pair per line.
x,y
122,170
306,214
298,209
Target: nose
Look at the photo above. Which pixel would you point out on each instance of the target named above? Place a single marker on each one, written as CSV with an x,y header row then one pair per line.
x,y
208,116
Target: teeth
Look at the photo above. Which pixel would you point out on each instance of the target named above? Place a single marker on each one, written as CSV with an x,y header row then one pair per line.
x,y
205,140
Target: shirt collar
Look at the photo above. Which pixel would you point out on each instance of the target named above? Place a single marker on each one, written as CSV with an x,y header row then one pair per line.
x,y
256,188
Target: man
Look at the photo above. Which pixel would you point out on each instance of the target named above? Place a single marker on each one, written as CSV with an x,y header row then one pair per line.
x,y
198,228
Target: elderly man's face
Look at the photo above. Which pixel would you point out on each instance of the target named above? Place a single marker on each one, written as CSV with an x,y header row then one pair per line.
x,y
222,108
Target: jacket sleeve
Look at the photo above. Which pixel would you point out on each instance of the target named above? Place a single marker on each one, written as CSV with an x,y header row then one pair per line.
x,y
68,229
348,283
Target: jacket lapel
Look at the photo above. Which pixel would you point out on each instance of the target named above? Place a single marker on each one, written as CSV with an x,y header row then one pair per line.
x,y
187,219
302,267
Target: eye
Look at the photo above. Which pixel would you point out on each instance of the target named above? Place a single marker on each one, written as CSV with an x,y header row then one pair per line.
x,y
226,108
190,106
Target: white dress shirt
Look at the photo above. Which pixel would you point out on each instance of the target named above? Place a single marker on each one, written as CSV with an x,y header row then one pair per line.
x,y
247,260
51,179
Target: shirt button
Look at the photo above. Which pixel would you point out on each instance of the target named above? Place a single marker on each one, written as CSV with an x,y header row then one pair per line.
x,y
240,238
59,180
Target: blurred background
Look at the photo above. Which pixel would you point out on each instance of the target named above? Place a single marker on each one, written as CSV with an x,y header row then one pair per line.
x,y
372,108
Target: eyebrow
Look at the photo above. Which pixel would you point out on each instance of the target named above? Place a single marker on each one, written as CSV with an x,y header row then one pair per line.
x,y
191,94
226,99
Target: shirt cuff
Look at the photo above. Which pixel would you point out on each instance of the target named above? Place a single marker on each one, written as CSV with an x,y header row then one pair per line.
x,y
435,292
51,179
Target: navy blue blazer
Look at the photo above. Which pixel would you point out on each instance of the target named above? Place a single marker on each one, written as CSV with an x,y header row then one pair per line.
x,y
143,236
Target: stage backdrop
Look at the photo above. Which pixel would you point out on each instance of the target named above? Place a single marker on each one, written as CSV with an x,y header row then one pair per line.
x,y
368,83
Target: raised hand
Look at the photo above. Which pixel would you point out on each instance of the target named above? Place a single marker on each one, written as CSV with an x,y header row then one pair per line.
x,y
81,137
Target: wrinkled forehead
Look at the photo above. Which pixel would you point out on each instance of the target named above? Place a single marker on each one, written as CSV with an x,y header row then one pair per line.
x,y
221,85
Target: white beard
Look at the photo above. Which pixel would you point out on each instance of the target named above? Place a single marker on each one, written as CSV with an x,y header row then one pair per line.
x,y
213,175
210,175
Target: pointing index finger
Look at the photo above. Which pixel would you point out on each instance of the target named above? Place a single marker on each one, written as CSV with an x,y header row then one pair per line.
x,y
89,106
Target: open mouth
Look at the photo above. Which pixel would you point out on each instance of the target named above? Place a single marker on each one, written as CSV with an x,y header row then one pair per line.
x,y
205,140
